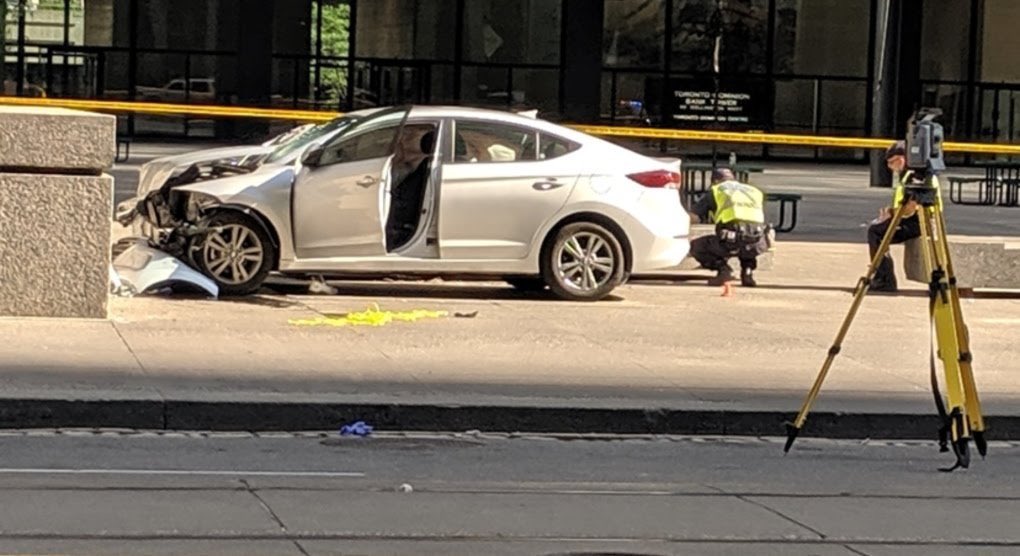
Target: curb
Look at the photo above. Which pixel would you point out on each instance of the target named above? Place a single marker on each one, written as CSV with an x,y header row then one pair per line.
x,y
259,416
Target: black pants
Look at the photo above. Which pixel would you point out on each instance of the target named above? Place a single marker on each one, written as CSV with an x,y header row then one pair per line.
x,y
713,253
909,228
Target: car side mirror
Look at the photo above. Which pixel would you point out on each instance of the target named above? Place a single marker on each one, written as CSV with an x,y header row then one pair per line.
x,y
312,156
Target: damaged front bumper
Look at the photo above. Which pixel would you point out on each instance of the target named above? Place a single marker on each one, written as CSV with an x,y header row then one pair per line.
x,y
140,268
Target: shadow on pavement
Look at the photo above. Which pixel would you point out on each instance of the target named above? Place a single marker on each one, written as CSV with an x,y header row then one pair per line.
x,y
262,300
422,291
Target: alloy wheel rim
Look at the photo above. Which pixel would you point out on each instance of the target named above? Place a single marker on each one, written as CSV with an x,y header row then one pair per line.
x,y
585,262
233,254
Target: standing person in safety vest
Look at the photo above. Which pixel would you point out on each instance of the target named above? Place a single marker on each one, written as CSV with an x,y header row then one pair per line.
x,y
737,209
909,228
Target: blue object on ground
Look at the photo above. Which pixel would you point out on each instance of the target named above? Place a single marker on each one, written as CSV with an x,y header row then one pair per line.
x,y
359,428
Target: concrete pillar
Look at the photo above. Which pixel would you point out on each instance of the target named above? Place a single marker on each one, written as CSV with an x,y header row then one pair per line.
x,y
898,87
581,79
55,207
254,64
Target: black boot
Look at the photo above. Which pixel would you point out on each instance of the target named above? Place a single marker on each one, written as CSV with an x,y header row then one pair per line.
x,y
722,276
885,277
747,278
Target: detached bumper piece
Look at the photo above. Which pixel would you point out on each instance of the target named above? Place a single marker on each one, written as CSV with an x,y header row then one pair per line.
x,y
141,268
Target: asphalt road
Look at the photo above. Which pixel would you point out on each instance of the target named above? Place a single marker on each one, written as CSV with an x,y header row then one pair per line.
x,y
143,493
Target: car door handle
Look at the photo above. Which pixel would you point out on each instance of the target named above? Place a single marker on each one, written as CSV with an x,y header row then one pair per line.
x,y
366,181
546,185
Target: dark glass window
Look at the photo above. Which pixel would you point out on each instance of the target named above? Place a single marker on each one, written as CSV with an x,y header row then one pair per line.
x,y
1001,41
743,25
515,31
406,29
944,42
822,37
633,32
95,18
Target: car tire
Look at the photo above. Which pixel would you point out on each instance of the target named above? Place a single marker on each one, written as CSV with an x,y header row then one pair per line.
x,y
237,253
527,283
583,262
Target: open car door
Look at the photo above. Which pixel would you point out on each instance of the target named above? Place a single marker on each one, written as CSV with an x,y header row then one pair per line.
x,y
338,198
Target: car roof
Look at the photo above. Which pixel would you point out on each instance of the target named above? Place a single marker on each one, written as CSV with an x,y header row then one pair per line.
x,y
441,111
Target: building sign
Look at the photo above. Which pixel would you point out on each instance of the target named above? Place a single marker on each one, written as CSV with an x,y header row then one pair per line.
x,y
694,103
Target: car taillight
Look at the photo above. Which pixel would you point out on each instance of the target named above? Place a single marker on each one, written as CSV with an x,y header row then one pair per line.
x,y
657,178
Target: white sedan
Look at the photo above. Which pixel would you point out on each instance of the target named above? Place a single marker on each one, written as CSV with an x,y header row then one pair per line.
x,y
432,191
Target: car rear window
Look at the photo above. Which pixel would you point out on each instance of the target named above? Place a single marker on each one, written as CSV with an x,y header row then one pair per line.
x,y
551,146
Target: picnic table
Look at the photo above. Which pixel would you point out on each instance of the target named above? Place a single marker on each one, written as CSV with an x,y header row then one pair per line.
x,y
697,180
698,175
1000,185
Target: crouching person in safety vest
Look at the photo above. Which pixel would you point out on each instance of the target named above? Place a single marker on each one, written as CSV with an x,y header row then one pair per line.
x,y
739,215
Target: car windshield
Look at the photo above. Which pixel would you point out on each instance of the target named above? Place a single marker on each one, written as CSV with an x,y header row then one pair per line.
x,y
297,144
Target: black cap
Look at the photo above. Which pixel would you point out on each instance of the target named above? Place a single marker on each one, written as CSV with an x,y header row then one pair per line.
x,y
899,148
722,174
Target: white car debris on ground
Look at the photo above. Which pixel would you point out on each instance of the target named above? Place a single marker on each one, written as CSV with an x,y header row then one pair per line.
x,y
423,191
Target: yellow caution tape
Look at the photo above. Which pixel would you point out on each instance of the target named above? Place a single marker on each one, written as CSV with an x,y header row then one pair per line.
x,y
370,317
781,139
609,131
161,108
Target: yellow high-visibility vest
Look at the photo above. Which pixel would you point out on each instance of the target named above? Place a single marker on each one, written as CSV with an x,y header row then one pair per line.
x,y
900,190
735,201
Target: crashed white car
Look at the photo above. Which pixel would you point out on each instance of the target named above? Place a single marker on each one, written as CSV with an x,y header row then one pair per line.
x,y
428,191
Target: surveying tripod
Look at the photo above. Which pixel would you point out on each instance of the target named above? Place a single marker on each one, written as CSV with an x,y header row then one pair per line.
x,y
963,420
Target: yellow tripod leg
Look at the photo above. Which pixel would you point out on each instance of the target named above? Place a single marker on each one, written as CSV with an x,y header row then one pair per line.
x,y
945,331
974,411
793,429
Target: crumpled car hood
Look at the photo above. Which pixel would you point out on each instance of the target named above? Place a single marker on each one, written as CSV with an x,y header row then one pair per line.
x,y
152,175
225,188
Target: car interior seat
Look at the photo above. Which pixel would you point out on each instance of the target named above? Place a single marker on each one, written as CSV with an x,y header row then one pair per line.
x,y
408,198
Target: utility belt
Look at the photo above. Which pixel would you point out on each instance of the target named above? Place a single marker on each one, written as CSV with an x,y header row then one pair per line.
x,y
741,233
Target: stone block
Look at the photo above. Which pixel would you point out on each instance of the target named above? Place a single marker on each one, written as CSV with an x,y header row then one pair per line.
x,y
55,245
56,139
55,207
987,262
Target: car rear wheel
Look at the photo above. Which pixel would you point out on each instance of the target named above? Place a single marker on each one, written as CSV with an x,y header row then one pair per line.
x,y
584,262
237,253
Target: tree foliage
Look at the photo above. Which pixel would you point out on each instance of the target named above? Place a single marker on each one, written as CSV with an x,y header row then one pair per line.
x,y
332,62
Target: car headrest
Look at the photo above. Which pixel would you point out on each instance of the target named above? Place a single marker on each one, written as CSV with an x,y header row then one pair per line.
x,y
428,142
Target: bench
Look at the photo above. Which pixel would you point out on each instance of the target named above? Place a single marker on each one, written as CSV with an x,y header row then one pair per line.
x,y
785,199
123,146
991,262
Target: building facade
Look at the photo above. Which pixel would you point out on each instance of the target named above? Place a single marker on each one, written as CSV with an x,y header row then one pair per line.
x,y
841,67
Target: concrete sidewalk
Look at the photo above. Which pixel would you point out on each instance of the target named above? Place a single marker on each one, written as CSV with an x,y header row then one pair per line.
x,y
665,356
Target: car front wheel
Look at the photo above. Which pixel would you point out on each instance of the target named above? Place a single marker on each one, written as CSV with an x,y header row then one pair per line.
x,y
237,253
584,262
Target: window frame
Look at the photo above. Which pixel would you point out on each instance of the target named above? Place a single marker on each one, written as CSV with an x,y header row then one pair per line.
x,y
357,126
